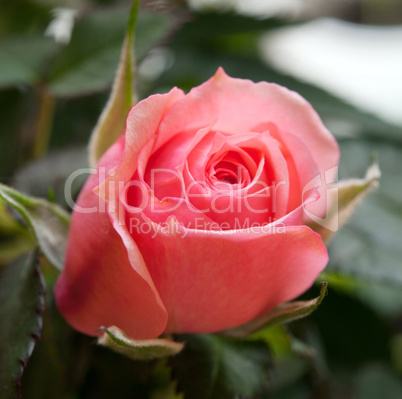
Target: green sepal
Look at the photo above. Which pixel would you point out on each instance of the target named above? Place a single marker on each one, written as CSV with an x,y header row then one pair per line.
x,y
149,349
348,195
284,313
112,121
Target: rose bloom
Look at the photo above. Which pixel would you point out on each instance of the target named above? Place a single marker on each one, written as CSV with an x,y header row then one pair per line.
x,y
195,220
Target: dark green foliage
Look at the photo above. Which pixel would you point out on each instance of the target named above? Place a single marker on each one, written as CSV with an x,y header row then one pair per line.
x,y
213,367
22,293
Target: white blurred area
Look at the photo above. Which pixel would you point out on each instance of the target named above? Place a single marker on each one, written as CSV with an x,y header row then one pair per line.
x,y
360,63
282,8
251,7
62,24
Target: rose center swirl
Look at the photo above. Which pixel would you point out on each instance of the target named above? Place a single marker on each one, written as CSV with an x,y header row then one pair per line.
x,y
229,169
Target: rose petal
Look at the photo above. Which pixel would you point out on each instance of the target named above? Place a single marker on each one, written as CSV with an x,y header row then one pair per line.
x,y
142,124
137,200
250,103
99,286
211,281
301,166
208,105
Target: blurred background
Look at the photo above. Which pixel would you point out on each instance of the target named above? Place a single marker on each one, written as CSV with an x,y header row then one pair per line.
x,y
57,62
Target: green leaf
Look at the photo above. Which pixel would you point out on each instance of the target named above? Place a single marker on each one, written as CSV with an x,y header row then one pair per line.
x,y
21,303
48,221
377,380
88,64
113,118
23,58
385,299
348,195
52,171
217,25
277,337
117,340
369,245
13,247
284,313
150,29
8,225
287,372
214,367
24,16
14,239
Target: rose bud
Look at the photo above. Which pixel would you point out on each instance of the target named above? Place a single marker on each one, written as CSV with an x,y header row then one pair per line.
x,y
195,221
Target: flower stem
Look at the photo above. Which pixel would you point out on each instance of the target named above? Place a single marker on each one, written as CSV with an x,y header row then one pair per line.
x,y
44,122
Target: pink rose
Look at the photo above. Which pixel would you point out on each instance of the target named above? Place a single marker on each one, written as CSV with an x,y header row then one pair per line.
x,y
194,220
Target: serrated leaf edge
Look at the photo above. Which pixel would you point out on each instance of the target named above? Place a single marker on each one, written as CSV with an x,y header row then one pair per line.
x,y
34,335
